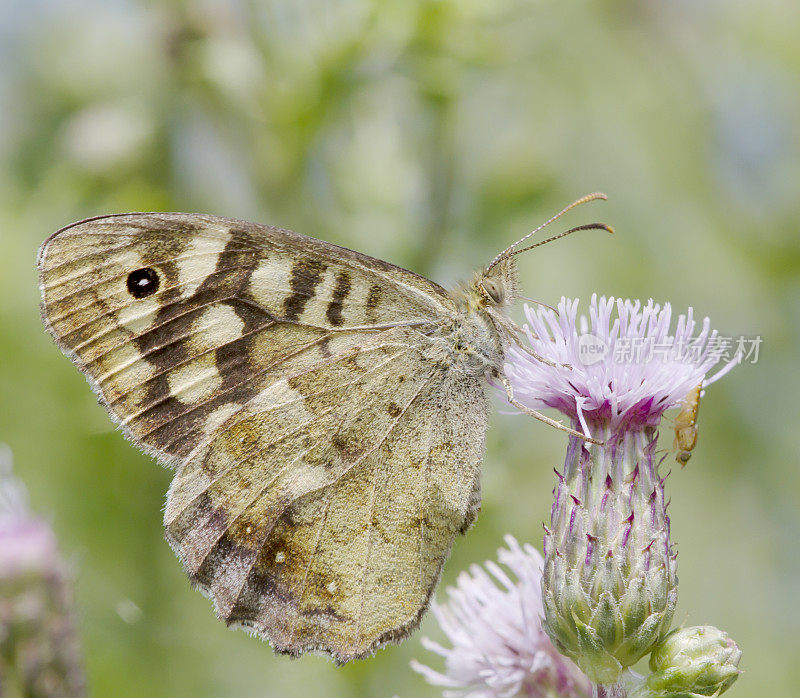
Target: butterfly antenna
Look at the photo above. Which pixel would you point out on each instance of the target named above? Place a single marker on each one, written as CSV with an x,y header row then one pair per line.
x,y
586,226
583,200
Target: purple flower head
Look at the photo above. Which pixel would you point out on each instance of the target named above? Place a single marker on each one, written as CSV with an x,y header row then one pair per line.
x,y
27,543
39,648
628,366
494,625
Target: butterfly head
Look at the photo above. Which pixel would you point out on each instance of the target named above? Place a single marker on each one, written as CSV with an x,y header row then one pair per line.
x,y
496,287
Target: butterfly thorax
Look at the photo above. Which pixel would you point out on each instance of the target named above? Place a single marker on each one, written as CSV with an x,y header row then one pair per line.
x,y
470,343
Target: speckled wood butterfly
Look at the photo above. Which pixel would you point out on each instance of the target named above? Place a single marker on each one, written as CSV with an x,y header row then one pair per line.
x,y
324,411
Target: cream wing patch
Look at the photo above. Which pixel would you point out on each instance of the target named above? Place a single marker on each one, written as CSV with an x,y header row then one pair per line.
x,y
220,415
196,381
138,318
200,260
270,280
215,327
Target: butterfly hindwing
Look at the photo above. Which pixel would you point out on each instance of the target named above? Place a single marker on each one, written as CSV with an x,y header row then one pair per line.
x,y
351,498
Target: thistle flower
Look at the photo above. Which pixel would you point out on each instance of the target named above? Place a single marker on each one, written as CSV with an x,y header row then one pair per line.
x,y
626,371
499,647
38,648
609,582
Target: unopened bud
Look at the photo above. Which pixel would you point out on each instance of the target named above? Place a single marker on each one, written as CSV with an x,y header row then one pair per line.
x,y
696,661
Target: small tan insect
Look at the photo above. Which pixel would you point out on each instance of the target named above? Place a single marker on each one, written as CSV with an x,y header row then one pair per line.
x,y
325,411
686,426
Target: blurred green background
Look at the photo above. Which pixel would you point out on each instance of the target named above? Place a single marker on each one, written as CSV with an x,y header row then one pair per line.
x,y
432,134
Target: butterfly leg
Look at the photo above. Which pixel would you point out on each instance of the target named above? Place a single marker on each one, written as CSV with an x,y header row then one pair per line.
x,y
538,415
514,331
538,357
531,352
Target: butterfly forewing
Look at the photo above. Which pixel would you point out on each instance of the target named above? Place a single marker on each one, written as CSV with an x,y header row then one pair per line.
x,y
325,459
211,334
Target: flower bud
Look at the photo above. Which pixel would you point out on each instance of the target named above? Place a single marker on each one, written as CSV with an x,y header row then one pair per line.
x,y
698,661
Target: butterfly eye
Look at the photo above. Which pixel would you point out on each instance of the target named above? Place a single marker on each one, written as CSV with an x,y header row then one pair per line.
x,y
493,291
143,282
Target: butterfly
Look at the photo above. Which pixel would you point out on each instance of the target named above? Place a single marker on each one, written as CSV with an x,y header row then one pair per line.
x,y
686,425
324,411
